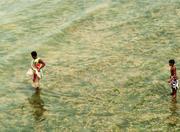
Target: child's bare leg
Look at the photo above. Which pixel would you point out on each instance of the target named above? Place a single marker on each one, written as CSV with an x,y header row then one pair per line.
x,y
34,80
174,93
34,84
38,83
34,77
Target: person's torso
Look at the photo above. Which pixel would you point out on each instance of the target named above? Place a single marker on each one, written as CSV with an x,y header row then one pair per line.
x,y
173,72
36,63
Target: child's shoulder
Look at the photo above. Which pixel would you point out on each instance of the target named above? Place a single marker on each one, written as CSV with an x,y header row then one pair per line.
x,y
173,68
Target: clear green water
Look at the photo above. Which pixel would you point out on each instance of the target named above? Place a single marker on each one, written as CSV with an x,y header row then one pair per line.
x,y
106,65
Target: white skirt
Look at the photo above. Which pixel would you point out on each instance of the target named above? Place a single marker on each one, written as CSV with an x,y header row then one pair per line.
x,y
30,73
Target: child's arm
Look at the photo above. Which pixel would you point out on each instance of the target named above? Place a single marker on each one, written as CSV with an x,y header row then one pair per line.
x,y
41,62
171,78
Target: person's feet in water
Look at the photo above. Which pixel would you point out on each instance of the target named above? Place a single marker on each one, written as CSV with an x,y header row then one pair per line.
x,y
37,88
174,100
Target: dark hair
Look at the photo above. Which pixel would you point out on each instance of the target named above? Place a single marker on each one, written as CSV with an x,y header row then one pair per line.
x,y
34,53
172,61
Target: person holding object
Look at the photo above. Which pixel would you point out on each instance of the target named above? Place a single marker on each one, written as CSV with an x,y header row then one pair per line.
x,y
36,69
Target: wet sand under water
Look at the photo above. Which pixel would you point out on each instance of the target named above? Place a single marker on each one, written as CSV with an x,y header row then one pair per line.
x,y
107,65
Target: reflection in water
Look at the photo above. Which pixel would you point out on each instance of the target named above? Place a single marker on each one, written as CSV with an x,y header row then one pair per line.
x,y
37,105
172,119
173,107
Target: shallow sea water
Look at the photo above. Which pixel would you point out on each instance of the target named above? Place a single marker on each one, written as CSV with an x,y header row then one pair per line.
x,y
107,65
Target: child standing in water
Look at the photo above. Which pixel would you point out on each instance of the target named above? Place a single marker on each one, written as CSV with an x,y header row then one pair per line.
x,y
173,81
36,65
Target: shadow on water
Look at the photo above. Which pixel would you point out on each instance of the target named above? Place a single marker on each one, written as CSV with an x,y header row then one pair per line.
x,y
38,105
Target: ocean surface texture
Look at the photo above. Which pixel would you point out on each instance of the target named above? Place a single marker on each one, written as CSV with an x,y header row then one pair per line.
x,y
106,65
